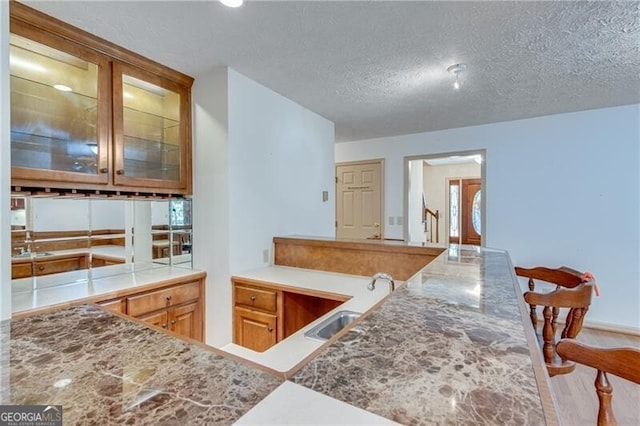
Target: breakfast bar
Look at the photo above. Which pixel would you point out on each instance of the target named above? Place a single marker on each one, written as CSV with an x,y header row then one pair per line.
x,y
450,345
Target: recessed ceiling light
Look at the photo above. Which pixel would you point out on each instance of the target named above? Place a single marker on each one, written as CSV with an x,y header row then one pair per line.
x,y
62,88
232,3
456,69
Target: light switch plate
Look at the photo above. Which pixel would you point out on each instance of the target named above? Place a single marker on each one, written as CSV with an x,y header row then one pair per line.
x,y
265,256
325,196
399,220
391,221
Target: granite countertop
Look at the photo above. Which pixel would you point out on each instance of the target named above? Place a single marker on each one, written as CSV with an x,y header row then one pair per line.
x,y
451,346
448,348
105,369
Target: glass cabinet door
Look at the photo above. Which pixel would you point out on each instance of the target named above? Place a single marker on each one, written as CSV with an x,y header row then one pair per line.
x,y
59,110
149,129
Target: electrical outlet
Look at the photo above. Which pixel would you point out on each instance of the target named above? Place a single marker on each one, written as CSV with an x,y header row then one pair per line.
x,y
391,221
265,256
399,220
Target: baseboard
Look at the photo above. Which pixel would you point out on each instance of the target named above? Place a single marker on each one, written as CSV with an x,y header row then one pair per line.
x,y
603,326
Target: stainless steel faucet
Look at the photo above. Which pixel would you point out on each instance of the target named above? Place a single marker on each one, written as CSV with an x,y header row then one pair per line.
x,y
382,276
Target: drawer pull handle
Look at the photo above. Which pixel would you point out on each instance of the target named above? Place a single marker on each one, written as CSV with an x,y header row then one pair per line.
x,y
270,329
253,298
104,170
173,322
41,267
120,172
164,325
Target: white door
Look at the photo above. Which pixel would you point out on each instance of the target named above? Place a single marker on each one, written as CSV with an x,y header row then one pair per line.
x,y
359,200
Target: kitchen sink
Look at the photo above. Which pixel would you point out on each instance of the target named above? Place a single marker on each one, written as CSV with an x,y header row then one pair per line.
x,y
330,326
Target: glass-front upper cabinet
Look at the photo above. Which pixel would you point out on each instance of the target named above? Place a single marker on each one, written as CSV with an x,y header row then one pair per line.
x,y
150,129
89,115
59,110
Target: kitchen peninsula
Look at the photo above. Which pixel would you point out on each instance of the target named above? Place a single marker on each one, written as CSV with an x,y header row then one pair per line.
x,y
450,346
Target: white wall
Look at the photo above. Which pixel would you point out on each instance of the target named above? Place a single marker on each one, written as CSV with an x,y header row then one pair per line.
x,y
560,190
436,189
5,170
278,158
415,227
211,199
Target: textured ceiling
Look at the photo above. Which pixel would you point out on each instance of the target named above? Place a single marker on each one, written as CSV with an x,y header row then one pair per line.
x,y
379,68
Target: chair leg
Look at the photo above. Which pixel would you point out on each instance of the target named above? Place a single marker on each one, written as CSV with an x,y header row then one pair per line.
x,y
604,390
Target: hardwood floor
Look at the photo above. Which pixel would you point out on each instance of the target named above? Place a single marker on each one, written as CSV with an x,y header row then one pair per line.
x,y
576,395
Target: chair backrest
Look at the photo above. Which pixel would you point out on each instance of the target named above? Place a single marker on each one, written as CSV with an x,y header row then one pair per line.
x,y
573,291
622,362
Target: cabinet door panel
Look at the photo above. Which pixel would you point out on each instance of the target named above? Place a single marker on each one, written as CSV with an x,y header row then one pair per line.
x,y
255,330
59,109
159,319
151,129
186,321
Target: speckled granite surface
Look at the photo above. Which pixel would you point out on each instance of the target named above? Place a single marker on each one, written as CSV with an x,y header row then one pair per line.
x,y
105,369
449,348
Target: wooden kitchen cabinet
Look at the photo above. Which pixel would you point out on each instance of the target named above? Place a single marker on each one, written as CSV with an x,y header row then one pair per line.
x,y
89,115
255,330
266,313
177,308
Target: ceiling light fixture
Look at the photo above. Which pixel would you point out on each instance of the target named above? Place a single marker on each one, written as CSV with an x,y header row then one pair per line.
x,y
232,3
456,69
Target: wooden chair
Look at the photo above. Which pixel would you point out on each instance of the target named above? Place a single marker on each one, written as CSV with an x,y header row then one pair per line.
x,y
573,291
622,362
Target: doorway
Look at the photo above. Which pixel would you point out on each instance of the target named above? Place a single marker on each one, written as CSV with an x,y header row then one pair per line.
x,y
428,194
359,200
465,214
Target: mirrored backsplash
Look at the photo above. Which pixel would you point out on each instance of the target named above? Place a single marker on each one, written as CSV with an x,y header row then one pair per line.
x,y
56,241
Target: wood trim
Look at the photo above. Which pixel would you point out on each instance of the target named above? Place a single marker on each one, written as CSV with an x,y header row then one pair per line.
x,y
362,258
37,19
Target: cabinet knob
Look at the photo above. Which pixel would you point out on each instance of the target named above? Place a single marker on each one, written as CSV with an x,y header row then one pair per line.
x,y
120,172
253,298
164,325
41,267
104,170
173,322
270,329
169,298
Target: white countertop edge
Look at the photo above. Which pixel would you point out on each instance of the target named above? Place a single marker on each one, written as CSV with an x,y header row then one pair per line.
x,y
293,404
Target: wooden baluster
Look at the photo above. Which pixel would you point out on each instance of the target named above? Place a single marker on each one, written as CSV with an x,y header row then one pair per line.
x,y
604,390
554,320
574,323
533,314
547,336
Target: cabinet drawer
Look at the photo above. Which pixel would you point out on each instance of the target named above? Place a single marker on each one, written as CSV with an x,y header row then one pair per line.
x,y
255,297
21,270
159,299
60,265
